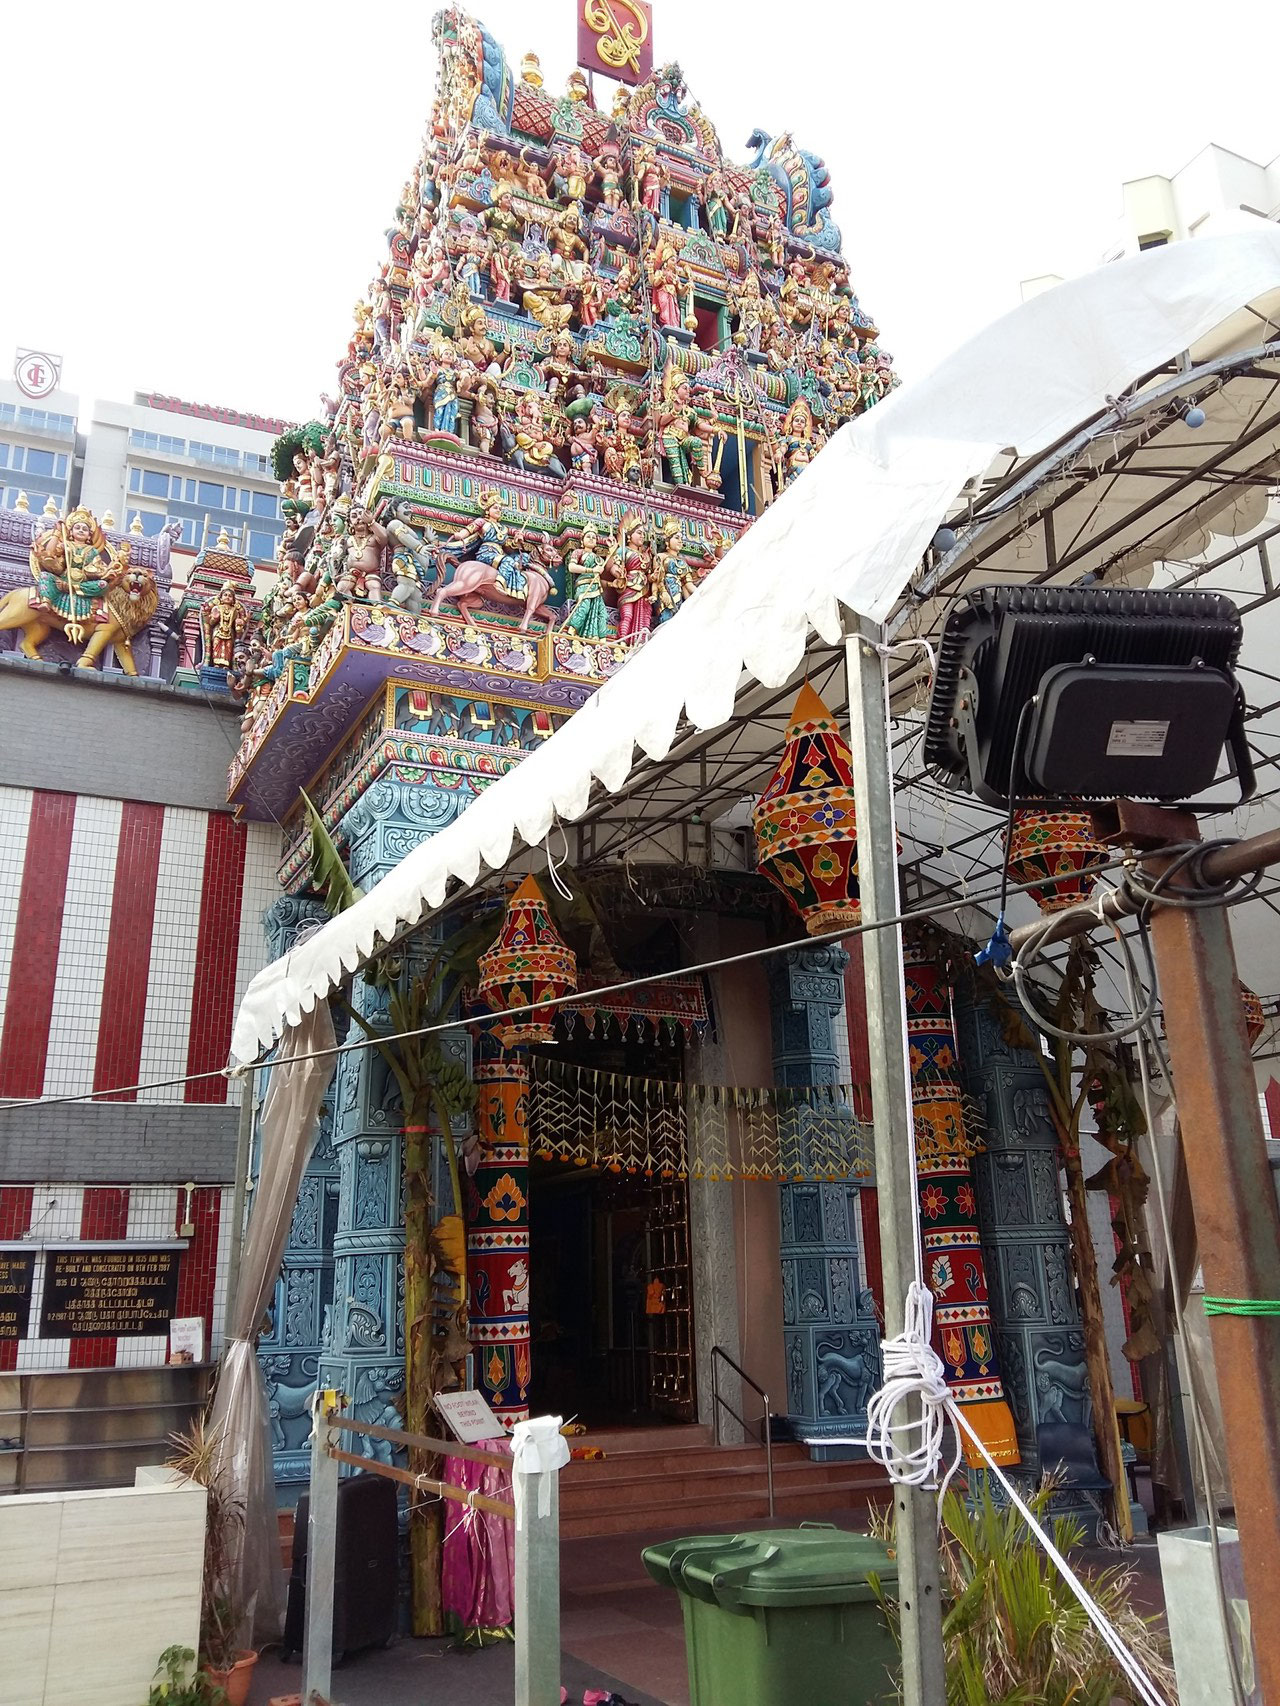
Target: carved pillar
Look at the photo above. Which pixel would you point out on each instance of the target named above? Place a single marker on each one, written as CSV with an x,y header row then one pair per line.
x,y
291,1348
1024,1235
830,1334
364,1355
498,1237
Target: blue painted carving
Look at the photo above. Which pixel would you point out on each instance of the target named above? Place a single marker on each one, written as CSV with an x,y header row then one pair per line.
x,y
830,1334
290,1349
364,1352
1024,1235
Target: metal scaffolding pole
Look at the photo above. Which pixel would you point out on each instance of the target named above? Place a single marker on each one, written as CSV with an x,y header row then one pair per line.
x,y
915,1508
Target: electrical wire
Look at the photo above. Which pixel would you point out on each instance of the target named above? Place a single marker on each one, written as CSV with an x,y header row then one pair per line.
x,y
1030,953
477,1020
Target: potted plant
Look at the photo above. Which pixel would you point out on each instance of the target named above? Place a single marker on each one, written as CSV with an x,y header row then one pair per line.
x,y
177,1682
1012,1630
224,1662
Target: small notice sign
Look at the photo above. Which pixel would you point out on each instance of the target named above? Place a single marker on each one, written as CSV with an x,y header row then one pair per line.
x,y
1137,740
186,1338
122,1293
469,1416
17,1268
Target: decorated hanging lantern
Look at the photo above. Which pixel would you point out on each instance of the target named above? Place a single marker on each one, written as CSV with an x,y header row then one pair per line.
x,y
528,965
806,829
1255,1020
1055,843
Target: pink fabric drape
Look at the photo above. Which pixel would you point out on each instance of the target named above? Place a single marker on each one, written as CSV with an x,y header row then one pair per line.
x,y
479,1547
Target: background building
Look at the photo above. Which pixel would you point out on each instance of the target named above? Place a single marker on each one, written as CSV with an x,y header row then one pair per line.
x,y
37,446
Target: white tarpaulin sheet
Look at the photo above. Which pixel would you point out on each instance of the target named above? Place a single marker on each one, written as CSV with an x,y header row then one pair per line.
x,y
849,533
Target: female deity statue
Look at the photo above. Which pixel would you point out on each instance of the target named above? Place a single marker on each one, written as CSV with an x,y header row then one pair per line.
x,y
672,576
561,366
502,268
650,177
664,283
748,305
591,299
631,575
589,615
797,448
444,394
74,568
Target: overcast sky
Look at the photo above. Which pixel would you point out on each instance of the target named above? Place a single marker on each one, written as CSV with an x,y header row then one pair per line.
x,y
197,192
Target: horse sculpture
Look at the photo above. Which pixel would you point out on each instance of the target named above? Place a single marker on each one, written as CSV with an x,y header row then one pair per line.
x,y
473,580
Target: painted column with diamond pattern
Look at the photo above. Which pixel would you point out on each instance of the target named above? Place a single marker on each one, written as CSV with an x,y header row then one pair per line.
x,y
954,1268
498,1237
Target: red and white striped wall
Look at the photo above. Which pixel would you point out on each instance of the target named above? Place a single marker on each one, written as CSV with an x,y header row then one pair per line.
x,y
128,932
62,1214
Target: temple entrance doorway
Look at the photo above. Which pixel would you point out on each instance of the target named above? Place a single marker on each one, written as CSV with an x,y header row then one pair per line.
x,y
611,1293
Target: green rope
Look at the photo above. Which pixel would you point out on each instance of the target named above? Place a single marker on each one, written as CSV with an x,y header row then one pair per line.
x,y
1241,1306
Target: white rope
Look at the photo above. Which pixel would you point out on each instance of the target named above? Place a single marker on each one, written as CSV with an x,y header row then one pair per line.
x,y
913,1370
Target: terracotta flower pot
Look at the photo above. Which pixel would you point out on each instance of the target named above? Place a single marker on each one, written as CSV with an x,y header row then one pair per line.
x,y
236,1680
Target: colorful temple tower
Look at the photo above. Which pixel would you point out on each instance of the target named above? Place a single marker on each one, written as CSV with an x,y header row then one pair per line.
x,y
594,350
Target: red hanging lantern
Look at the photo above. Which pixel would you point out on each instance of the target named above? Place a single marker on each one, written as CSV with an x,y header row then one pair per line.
x,y
528,964
1255,1020
805,824
1055,843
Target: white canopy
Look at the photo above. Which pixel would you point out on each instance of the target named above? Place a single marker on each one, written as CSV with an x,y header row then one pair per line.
x,y
851,532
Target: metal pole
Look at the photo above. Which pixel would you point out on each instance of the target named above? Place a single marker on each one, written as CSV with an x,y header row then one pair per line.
x,y
1237,1224
322,1538
244,1146
915,1508
537,1586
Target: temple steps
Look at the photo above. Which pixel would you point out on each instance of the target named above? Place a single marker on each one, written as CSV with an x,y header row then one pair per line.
x,y
678,1478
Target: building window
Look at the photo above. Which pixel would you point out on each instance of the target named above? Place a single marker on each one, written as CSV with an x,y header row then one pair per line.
x,y
191,533
208,494
151,523
262,547
267,504
155,485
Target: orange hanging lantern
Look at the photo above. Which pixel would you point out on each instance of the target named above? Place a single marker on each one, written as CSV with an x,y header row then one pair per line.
x,y
1055,844
1255,1020
805,824
528,965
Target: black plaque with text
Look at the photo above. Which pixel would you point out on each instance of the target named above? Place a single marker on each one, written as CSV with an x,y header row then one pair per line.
x,y
91,1294
16,1270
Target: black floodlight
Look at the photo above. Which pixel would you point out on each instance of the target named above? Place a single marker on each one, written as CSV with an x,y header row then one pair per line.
x,y
1087,693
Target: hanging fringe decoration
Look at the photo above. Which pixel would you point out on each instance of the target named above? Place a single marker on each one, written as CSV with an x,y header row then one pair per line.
x,y
623,1124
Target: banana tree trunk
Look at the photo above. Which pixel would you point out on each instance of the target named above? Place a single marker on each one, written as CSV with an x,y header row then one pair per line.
x,y
426,1517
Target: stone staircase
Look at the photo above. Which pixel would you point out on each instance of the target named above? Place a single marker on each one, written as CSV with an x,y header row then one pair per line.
x,y
678,1478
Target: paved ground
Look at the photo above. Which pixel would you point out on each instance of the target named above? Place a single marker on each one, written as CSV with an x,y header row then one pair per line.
x,y
619,1631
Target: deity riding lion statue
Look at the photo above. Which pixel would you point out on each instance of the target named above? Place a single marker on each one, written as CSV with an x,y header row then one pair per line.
x,y
84,587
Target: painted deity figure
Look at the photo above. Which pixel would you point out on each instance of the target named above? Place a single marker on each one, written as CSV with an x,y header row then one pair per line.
x,y
502,269
561,366
591,300
73,567
501,220
484,414
363,553
570,170
543,299
567,242
631,576
664,283
650,176
444,394
223,621
584,457
609,172
531,448
487,539
749,308
798,447
588,614
672,577
684,448
716,199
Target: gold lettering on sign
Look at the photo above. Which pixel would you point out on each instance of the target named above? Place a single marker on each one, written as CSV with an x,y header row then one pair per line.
x,y
619,38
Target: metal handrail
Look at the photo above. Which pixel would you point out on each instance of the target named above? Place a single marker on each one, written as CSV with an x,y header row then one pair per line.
x,y
719,1401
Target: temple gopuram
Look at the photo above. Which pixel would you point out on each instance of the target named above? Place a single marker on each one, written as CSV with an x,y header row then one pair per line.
x,y
595,349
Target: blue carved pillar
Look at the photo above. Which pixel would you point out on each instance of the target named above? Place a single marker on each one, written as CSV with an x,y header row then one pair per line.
x,y
1024,1234
364,1353
831,1339
291,1348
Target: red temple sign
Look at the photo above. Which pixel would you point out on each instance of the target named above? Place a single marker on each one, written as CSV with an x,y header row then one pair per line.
x,y
615,38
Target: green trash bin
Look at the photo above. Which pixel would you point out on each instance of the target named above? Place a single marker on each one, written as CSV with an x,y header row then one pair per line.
x,y
783,1617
